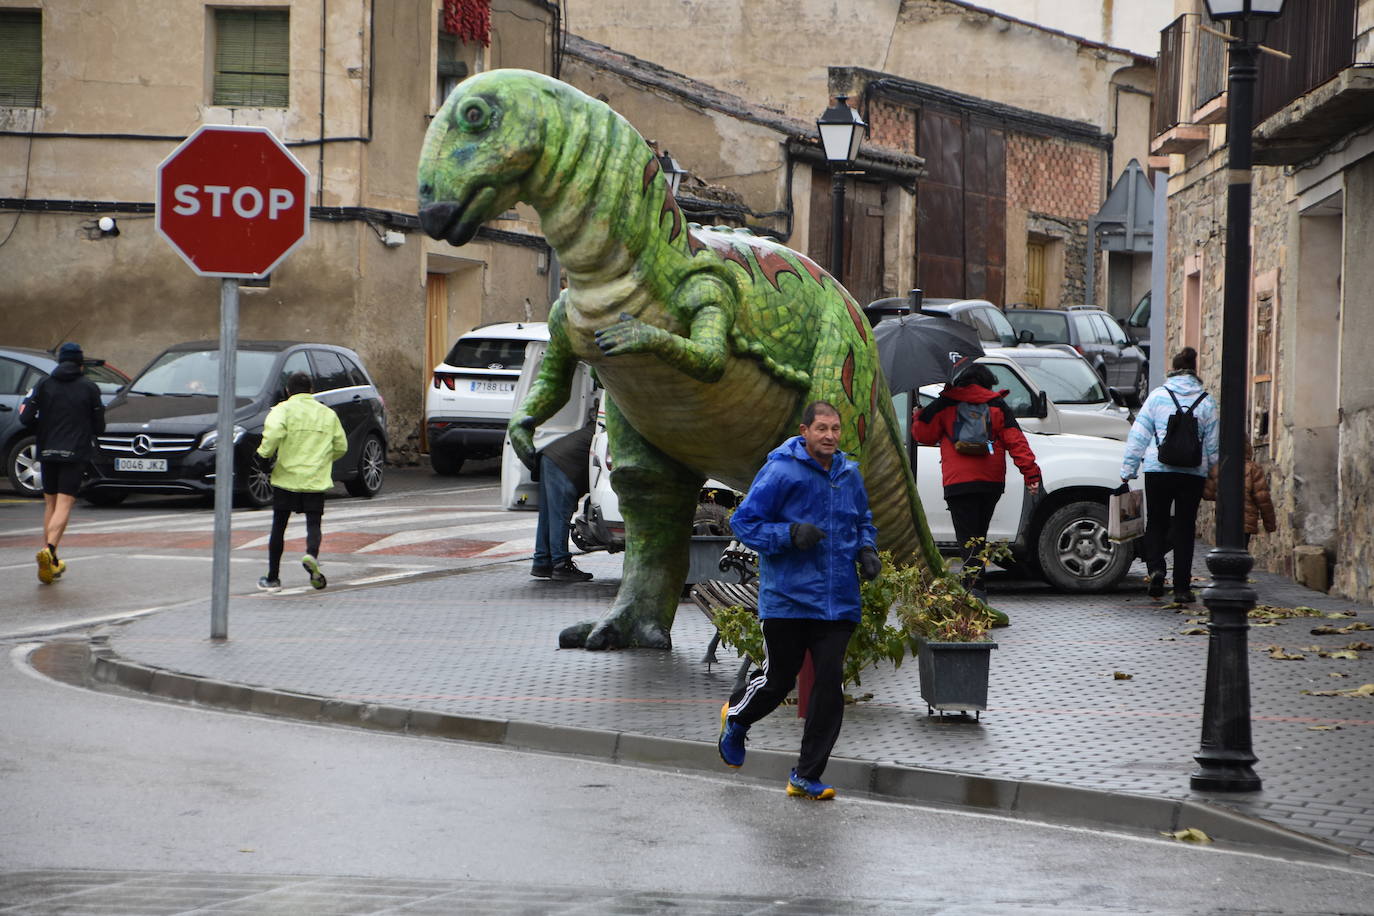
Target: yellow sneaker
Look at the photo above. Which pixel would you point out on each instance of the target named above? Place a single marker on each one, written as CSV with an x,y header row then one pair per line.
x,y
58,568
45,566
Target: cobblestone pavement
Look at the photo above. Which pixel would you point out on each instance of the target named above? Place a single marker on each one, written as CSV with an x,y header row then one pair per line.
x,y
484,642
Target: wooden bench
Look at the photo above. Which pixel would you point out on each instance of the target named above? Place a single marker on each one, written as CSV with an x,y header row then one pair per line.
x,y
714,595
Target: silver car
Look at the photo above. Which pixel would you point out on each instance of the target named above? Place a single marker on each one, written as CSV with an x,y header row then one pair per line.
x,y
1085,405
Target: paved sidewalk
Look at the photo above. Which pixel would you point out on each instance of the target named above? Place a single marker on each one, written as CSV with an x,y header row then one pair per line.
x,y
1063,738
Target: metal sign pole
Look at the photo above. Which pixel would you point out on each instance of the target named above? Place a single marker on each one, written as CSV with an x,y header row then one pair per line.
x,y
224,456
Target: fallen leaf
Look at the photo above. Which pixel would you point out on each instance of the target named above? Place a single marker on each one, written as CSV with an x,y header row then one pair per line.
x,y
1337,615
1359,646
1174,604
1337,674
1323,728
1193,631
1339,653
1264,623
247,850
1277,652
1329,630
1121,675
1168,639
1309,648
1365,690
1188,835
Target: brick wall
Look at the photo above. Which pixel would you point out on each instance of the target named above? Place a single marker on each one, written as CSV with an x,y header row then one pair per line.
x,y
892,125
1054,177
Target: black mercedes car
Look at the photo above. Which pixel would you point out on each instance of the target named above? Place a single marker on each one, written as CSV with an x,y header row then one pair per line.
x,y
160,431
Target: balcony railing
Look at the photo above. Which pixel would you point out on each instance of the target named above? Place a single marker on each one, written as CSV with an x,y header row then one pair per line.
x,y
1170,77
1320,34
1210,80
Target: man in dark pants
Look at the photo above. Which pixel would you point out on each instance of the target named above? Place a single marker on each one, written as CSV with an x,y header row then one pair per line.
x,y
307,438
562,477
807,516
975,479
66,411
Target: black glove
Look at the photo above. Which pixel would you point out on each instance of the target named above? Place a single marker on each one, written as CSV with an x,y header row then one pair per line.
x,y
805,535
869,564
1123,489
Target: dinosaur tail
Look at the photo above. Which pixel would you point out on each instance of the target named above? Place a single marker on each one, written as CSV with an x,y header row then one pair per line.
x,y
892,496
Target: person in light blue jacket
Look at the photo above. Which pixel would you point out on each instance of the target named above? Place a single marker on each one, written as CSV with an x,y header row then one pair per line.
x,y
1172,493
807,516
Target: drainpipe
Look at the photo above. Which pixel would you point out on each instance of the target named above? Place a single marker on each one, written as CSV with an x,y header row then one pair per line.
x,y
324,22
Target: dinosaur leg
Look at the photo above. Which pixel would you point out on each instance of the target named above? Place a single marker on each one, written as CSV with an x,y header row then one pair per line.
x,y
658,499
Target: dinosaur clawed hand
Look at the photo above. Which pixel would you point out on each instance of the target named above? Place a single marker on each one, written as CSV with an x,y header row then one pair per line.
x,y
521,432
629,335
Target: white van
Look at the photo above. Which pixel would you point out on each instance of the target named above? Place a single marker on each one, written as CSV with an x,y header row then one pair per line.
x,y
518,490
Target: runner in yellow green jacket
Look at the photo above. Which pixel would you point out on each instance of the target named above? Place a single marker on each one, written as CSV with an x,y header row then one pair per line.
x,y
307,438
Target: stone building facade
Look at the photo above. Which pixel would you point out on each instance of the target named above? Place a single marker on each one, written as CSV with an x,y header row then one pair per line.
x,y
1310,392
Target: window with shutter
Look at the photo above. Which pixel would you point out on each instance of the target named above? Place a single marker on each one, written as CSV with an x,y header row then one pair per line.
x,y
252,57
21,58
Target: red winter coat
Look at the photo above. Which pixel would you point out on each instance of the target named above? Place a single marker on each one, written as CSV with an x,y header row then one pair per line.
x,y
972,473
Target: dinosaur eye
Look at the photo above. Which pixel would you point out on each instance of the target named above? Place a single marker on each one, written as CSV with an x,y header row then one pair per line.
x,y
473,115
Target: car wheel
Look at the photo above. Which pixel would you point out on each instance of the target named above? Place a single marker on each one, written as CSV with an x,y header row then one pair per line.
x,y
371,469
445,464
1142,385
1075,554
21,463
711,519
258,492
105,497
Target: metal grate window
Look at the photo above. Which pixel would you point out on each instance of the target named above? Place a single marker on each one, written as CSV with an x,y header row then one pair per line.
x,y
252,58
21,58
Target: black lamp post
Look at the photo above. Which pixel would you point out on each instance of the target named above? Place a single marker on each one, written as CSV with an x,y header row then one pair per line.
x,y
841,131
672,171
1225,757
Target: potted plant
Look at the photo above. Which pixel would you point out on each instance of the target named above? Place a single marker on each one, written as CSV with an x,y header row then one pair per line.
x,y
949,628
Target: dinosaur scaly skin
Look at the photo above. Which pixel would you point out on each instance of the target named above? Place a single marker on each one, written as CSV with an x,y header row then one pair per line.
x,y
709,341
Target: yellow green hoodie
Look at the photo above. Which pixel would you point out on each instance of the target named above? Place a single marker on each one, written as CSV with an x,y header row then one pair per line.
x,y
307,439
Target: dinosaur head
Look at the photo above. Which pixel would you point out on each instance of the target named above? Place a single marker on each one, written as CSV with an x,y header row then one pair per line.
x,y
479,148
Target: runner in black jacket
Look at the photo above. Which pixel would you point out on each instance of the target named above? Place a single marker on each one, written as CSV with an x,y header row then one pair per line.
x,y
67,414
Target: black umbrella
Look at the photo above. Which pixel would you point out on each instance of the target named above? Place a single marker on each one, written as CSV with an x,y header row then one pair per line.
x,y
917,350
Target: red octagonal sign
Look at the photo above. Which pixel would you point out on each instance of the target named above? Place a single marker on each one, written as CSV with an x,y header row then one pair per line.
x,y
233,201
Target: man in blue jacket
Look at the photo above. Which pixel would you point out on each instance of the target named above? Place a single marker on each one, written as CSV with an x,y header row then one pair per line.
x,y
807,516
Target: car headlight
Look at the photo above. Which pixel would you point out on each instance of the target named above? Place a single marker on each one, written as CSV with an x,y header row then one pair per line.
x,y
208,440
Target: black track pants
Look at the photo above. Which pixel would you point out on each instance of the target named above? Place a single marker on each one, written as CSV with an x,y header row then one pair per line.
x,y
786,642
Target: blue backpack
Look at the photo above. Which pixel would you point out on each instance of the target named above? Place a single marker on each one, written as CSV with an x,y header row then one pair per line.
x,y
972,429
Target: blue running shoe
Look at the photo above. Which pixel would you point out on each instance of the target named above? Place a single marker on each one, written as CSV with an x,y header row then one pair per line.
x,y
732,738
808,788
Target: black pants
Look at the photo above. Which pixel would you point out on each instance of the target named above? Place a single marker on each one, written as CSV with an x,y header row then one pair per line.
x,y
971,514
1171,502
284,502
786,642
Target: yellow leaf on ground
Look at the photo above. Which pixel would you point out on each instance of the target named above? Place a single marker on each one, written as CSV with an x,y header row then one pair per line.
x,y
1193,631
1121,675
1359,646
1278,653
1340,653
1337,674
1188,835
1323,728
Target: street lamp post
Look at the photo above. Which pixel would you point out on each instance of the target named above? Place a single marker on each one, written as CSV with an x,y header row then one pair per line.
x,y
672,171
1225,758
841,131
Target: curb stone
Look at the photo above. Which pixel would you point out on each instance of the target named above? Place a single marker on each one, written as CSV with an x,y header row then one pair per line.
x,y
1024,799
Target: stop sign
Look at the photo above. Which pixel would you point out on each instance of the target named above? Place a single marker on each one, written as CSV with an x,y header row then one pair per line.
x,y
233,201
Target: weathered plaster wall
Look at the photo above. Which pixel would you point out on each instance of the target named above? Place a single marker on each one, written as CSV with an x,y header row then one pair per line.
x,y
1133,24
777,54
1354,572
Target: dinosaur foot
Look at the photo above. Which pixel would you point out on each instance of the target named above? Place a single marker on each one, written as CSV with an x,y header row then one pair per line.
x,y
616,632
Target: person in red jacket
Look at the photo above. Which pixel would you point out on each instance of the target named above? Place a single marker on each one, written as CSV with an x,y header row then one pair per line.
x,y
974,441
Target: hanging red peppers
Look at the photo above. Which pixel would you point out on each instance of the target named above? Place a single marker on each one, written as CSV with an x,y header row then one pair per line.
x,y
470,20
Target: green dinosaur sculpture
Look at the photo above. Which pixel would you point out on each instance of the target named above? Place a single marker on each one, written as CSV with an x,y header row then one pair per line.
x,y
709,341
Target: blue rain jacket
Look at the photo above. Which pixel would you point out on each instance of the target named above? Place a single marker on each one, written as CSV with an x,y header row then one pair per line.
x,y
820,583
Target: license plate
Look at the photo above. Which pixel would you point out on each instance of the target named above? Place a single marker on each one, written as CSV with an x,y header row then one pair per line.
x,y
140,464
492,387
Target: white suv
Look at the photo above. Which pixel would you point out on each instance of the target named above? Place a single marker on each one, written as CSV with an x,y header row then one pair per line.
x,y
471,394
